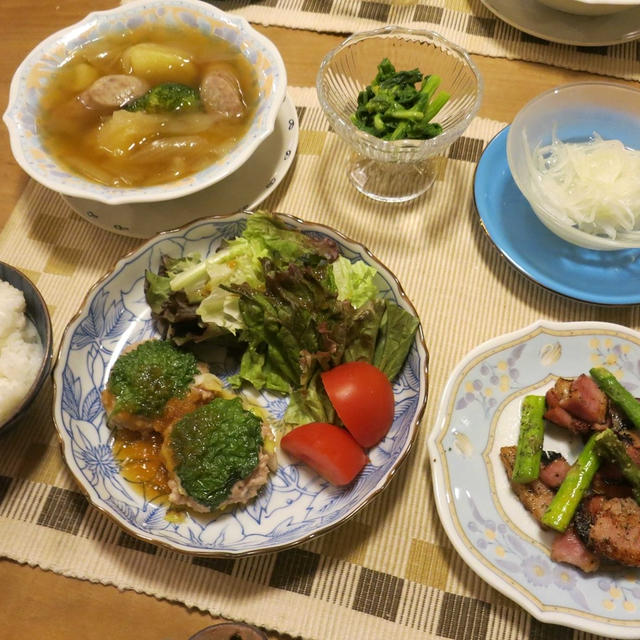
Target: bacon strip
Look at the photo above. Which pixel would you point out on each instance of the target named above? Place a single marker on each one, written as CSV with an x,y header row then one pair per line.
x,y
610,527
568,548
578,405
553,469
586,400
535,496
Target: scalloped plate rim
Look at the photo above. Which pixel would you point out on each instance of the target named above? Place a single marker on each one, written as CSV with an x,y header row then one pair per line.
x,y
445,501
421,392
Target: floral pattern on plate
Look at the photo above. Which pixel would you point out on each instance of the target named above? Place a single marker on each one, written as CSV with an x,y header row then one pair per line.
x,y
296,504
495,535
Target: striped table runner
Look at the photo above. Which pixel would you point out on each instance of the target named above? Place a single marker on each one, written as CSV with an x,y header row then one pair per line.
x,y
466,22
390,572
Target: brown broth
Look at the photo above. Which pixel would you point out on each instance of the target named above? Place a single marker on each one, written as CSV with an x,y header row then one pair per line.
x,y
138,457
140,462
72,133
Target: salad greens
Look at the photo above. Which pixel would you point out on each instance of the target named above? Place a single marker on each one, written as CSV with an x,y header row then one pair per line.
x,y
290,302
392,108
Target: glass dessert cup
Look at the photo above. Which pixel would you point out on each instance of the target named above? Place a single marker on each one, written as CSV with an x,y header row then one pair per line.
x,y
400,170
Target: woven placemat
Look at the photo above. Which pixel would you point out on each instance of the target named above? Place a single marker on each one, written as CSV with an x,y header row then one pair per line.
x,y
468,23
389,572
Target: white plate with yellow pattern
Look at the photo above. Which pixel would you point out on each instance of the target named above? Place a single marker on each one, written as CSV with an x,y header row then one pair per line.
x,y
490,529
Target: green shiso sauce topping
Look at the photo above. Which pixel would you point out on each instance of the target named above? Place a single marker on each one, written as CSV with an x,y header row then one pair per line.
x,y
145,379
215,446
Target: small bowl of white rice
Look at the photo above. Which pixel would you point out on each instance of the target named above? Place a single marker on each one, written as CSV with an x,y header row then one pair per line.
x,y
26,345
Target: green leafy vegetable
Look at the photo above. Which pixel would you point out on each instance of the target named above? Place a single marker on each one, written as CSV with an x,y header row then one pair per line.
x,y
157,291
167,97
221,309
397,330
310,404
296,324
354,281
195,307
145,379
290,303
364,330
264,237
213,447
158,286
392,108
175,314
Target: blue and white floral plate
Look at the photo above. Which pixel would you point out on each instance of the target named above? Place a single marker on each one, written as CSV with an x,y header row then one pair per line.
x,y
296,504
490,529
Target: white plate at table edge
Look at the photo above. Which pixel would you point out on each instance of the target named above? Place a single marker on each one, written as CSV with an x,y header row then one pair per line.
x,y
524,533
415,368
260,174
584,35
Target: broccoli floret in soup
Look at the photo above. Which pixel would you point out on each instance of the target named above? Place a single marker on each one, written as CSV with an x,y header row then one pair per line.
x,y
167,97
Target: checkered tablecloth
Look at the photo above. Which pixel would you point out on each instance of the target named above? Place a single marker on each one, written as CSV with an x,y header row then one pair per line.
x,y
389,572
468,23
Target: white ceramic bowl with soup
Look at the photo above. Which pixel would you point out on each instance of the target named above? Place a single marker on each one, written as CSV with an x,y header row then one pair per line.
x,y
151,101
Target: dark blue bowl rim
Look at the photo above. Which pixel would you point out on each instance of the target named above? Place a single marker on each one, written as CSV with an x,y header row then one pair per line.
x,y
34,299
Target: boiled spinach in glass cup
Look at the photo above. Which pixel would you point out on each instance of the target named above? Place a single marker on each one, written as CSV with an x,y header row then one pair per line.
x,y
399,165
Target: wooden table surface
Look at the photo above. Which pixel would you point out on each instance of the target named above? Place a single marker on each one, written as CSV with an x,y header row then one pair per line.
x,y
36,603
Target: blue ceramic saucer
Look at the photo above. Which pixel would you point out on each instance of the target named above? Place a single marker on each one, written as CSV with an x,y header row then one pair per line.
x,y
600,277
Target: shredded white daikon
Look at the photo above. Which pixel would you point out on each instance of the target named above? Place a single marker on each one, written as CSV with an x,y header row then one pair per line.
x,y
596,184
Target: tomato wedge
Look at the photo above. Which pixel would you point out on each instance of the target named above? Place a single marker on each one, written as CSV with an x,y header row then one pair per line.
x,y
363,398
327,449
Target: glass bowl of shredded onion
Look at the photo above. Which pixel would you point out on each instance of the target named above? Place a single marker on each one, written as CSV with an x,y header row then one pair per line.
x,y
574,152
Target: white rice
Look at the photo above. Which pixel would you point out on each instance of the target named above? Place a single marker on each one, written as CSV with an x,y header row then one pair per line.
x,y
20,350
